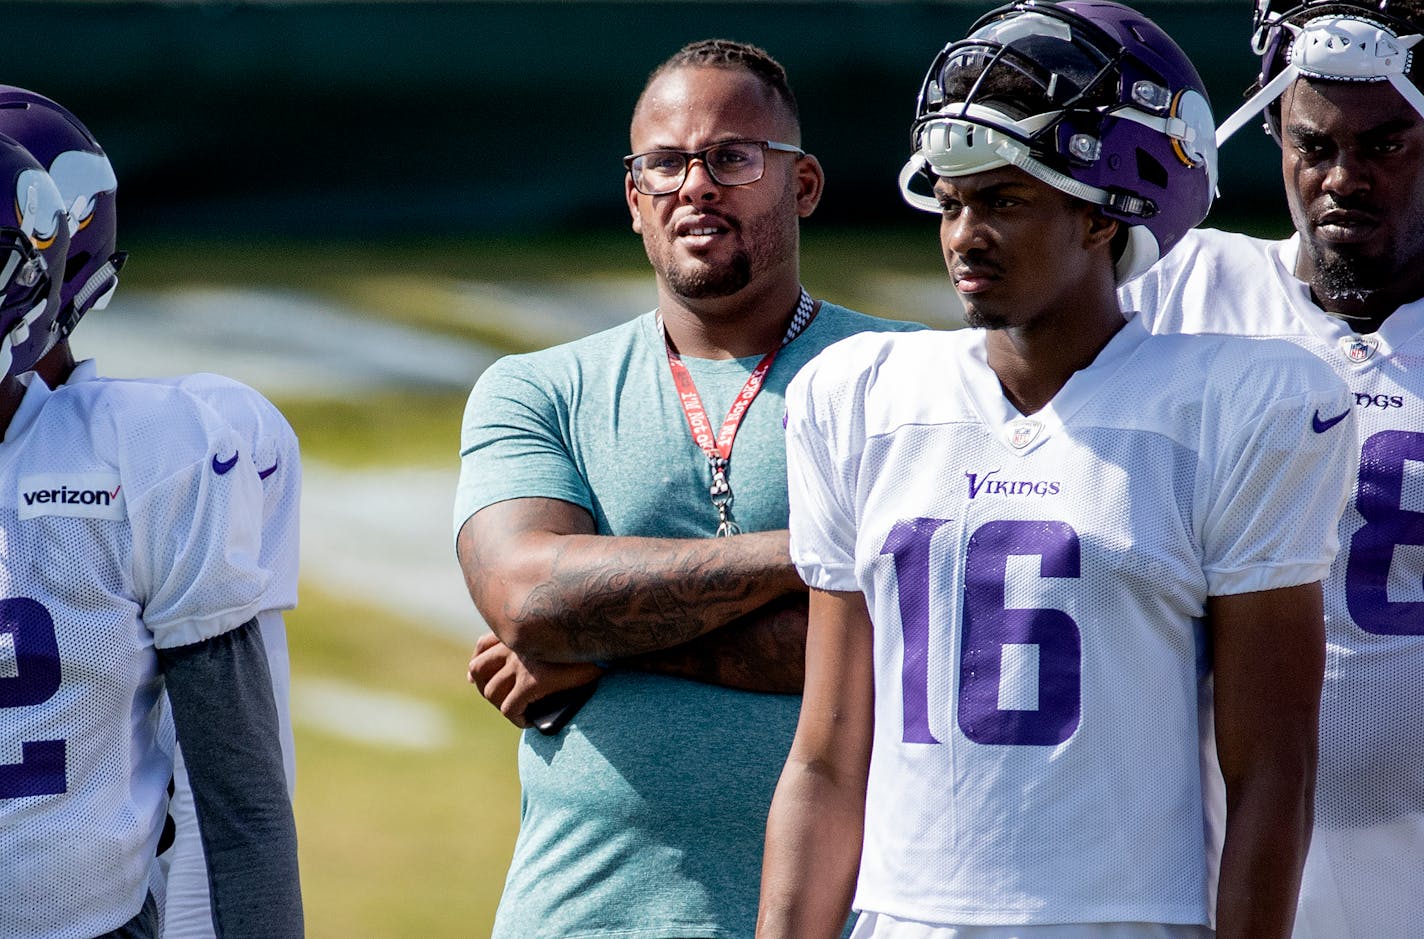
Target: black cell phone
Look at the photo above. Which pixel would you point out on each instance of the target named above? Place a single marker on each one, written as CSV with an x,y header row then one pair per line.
x,y
549,714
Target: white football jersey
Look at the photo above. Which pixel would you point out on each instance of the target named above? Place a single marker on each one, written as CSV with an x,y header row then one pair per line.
x,y
1364,876
129,521
1037,586
181,879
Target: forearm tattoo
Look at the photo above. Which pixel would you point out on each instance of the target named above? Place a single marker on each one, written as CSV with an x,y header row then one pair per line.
x,y
762,651
611,606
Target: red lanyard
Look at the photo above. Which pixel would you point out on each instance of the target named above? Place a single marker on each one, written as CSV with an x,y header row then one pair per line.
x,y
719,448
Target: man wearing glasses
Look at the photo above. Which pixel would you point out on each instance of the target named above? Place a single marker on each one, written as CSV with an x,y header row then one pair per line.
x,y
603,516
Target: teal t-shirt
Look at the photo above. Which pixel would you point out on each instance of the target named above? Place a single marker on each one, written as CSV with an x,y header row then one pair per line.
x,y
644,818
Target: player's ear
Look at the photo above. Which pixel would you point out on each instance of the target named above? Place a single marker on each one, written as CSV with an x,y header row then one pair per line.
x,y
631,196
1102,230
810,182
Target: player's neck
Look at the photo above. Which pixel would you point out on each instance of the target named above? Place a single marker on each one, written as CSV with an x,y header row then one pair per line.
x,y
57,365
1034,362
11,394
747,324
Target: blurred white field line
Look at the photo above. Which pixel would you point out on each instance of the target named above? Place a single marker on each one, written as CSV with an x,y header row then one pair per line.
x,y
280,342
385,537
511,316
534,315
376,718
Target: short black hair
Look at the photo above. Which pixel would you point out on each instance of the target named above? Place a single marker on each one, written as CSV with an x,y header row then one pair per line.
x,y
730,54
1411,11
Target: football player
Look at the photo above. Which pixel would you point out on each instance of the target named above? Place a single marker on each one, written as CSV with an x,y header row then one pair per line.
x,y
1339,90
87,183
129,540
1051,555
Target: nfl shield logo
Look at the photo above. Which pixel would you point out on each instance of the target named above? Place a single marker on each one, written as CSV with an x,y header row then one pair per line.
x,y
1022,433
1358,348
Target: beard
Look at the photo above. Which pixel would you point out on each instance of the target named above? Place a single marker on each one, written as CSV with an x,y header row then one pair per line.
x,y
767,241
707,281
1348,276
984,319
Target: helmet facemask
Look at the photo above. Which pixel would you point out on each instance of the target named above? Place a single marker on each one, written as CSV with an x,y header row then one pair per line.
x,y
34,241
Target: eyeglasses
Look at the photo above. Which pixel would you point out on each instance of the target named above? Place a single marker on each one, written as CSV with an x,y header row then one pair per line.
x,y
732,163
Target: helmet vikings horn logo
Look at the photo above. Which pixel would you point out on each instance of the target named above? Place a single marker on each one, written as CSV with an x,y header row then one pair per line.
x,y
39,207
82,178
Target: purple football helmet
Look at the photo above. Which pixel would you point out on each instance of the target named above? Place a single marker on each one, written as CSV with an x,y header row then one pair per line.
x,y
1088,96
34,242
87,184
1328,40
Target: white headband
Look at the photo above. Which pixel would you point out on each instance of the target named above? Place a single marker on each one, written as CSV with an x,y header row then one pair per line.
x,y
1336,48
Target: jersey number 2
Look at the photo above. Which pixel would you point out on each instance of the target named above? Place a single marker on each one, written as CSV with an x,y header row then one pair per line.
x,y
34,678
994,638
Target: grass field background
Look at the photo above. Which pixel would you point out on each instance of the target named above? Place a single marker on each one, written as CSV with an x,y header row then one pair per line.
x,y
407,795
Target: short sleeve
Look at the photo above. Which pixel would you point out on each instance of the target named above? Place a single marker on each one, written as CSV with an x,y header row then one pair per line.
x,y
822,523
281,512
514,442
1277,490
196,520
272,446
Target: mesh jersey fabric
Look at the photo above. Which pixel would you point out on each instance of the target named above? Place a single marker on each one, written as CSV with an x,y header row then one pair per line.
x,y
644,818
129,524
180,880
1037,586
1363,876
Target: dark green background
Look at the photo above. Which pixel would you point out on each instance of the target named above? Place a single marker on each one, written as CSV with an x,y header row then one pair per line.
x,y
401,119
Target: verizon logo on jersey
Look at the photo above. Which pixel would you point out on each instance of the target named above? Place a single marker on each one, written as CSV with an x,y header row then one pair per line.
x,y
72,495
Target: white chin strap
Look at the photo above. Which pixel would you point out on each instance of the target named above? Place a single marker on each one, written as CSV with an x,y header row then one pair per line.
x,y
1336,48
971,141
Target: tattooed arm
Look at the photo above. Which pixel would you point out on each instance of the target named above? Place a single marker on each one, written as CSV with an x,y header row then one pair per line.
x,y
762,651
553,590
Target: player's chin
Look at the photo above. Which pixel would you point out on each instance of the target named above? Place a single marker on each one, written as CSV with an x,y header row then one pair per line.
x,y
980,315
699,279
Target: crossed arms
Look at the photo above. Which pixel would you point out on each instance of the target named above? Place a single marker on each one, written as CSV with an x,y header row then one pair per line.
x,y
558,597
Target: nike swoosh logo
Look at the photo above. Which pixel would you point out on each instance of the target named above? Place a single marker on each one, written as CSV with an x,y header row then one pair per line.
x,y
263,474
222,466
1320,427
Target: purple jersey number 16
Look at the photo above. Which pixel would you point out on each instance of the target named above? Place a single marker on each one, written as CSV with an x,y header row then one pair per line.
x,y
33,680
988,628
